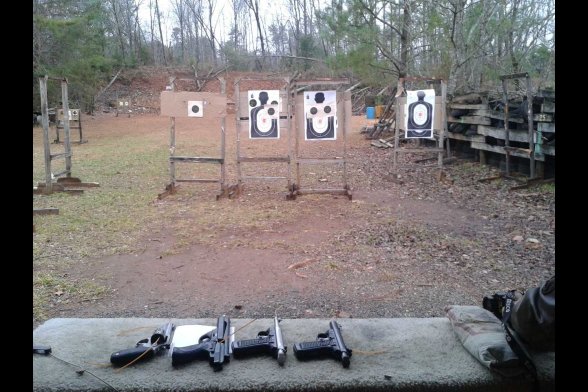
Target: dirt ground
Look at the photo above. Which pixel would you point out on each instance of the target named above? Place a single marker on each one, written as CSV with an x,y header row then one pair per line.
x,y
395,250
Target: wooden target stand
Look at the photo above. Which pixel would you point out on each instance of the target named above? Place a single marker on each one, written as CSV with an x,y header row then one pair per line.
x,y
281,118
75,122
123,105
439,123
62,181
197,105
343,103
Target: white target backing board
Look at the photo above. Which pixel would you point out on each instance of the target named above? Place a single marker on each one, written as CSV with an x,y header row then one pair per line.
x,y
264,114
74,114
419,114
320,115
195,108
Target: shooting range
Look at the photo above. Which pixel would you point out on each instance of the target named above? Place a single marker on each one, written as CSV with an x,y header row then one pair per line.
x,y
196,106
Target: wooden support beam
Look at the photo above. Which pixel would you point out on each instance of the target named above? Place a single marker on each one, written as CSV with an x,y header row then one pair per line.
x,y
263,159
45,211
196,159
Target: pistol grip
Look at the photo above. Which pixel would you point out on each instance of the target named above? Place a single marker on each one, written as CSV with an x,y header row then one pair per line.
x,y
251,346
123,357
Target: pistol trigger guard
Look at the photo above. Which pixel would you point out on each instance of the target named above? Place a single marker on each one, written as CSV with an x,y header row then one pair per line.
x,y
323,336
263,334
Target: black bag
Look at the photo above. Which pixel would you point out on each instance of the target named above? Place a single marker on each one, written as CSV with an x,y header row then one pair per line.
x,y
533,317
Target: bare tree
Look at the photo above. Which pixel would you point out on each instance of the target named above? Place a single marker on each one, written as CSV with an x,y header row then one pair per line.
x,y
254,7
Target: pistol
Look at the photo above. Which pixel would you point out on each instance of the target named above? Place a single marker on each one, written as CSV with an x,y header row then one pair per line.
x,y
145,348
213,346
267,342
329,343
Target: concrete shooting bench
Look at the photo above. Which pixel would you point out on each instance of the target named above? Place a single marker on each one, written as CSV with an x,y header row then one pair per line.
x,y
401,354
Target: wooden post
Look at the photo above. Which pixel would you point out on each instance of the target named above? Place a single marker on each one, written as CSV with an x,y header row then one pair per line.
x,y
346,129
506,130
172,142
237,95
289,125
399,90
482,157
530,123
223,88
45,122
66,129
444,125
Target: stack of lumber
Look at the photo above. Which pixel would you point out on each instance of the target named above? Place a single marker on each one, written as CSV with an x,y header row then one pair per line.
x,y
480,120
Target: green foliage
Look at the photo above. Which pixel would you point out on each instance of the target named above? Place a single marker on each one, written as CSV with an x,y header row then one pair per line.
x,y
71,46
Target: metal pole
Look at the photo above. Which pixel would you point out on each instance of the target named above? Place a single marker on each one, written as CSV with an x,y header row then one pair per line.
x,y
45,122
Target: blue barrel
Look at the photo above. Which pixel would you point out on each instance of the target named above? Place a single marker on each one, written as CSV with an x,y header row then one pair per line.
x,y
370,112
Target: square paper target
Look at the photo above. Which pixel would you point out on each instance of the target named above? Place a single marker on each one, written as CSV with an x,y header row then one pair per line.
x,y
419,112
320,115
264,114
195,109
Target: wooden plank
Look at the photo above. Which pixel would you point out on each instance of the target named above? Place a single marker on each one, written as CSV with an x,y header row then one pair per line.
x,y
201,180
175,104
263,159
319,160
499,133
468,98
499,150
421,150
546,93
461,136
496,115
196,159
546,127
45,211
377,143
469,120
74,184
468,106
548,107
321,82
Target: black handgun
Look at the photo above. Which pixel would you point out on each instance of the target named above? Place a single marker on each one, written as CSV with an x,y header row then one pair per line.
x,y
329,343
267,342
160,339
213,346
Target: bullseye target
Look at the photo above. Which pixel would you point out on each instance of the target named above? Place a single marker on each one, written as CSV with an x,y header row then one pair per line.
x,y
264,114
195,109
320,112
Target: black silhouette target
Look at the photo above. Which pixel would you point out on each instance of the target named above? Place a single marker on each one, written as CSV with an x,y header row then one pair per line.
x,y
264,114
320,111
420,109
195,109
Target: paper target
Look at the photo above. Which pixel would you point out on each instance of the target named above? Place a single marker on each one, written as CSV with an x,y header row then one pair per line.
x,y
419,112
320,115
264,114
195,109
